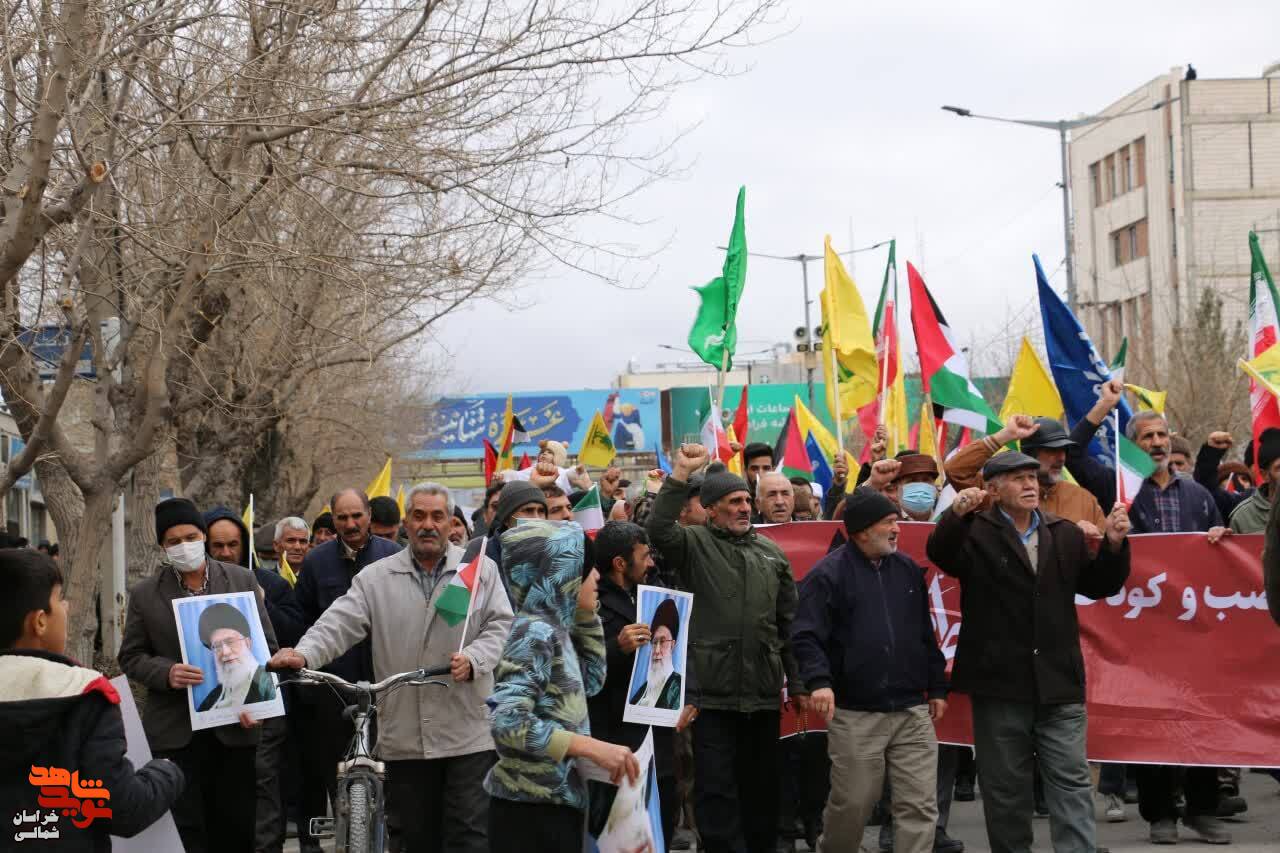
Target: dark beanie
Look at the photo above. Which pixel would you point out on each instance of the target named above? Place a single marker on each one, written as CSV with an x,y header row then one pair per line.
x,y
866,507
721,483
514,495
1268,449
175,511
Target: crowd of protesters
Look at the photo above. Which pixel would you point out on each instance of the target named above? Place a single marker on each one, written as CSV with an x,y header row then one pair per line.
x,y
540,668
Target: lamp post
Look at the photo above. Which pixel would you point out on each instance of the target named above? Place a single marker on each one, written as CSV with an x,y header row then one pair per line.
x,y
1062,126
803,259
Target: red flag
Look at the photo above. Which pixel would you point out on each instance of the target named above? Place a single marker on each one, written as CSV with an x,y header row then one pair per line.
x,y
740,422
525,462
490,461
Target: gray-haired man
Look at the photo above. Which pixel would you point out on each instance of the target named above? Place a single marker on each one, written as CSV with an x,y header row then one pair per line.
x,y
437,745
293,541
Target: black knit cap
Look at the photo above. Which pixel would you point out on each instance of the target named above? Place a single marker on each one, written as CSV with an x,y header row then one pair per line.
x,y
721,483
866,507
175,511
514,495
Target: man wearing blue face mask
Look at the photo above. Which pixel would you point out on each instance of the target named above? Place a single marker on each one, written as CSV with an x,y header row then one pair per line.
x,y
917,480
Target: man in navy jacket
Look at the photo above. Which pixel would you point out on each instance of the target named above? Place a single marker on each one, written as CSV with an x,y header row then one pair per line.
x,y
868,653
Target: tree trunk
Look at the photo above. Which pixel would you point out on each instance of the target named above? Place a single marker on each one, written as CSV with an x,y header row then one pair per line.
x,y
142,555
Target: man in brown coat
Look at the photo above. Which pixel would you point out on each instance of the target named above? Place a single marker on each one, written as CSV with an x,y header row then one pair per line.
x,y
216,809
1044,440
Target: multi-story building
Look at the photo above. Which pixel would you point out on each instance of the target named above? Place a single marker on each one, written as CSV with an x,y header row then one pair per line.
x,y
1164,193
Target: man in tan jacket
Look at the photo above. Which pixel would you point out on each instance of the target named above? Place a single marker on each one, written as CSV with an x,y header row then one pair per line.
x,y
1046,441
436,743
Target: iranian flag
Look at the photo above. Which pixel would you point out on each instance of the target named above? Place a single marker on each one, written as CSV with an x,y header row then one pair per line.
x,y
713,436
454,604
1133,467
1264,331
944,371
588,511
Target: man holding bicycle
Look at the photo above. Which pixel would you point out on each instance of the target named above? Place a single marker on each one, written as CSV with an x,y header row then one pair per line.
x,y
437,748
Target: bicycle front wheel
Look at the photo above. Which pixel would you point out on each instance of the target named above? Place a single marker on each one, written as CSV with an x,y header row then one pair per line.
x,y
360,817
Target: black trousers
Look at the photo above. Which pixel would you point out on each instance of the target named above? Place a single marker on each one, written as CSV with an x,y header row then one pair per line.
x,y
440,804
269,834
534,827
737,768
1156,785
806,783
215,813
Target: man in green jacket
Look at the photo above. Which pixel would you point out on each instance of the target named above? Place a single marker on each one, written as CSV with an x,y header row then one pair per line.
x,y
739,652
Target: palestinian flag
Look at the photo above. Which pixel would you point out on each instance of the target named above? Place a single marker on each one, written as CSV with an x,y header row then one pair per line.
x,y
790,456
1133,467
589,512
944,371
454,603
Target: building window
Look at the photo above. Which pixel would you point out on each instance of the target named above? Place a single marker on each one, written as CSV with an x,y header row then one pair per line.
x,y
1129,243
1095,183
1109,167
1126,170
1140,161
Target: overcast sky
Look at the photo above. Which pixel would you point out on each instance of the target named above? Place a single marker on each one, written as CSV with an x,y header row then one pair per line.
x,y
836,124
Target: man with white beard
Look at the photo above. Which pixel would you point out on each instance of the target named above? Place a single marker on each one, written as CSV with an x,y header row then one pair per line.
x,y
662,688
242,680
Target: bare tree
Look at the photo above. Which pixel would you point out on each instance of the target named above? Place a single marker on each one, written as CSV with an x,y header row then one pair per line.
x,y
182,180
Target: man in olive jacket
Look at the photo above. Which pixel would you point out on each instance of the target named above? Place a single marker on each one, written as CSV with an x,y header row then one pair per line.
x,y
739,652
1019,657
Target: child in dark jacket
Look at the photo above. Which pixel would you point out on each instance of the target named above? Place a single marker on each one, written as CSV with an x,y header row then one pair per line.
x,y
59,719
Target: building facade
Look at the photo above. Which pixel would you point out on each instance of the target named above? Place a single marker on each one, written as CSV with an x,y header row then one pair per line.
x,y
1164,194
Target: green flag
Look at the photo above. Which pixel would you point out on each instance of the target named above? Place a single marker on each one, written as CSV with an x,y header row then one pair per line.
x,y
714,335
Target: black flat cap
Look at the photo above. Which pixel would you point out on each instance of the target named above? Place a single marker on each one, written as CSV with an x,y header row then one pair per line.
x,y
1007,463
1050,436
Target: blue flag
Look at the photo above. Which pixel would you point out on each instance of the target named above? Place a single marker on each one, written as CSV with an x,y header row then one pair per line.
x,y
821,470
1077,369
663,462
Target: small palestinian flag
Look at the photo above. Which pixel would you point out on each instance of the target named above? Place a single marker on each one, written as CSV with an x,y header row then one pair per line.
x,y
454,603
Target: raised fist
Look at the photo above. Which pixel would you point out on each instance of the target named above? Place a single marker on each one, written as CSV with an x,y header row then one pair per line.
x,y
883,473
1019,427
968,501
1220,440
689,458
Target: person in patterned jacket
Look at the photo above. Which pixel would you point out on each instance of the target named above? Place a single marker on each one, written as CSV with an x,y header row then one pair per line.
x,y
554,659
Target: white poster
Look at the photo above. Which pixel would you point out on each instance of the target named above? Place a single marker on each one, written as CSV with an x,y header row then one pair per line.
x,y
656,692
635,819
223,636
161,836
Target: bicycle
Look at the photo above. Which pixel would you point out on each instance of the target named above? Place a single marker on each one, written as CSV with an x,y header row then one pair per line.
x,y
358,824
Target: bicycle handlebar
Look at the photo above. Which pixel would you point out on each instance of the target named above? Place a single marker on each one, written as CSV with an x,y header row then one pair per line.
x,y
414,676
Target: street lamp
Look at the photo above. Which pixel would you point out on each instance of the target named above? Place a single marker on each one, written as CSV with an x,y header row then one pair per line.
x,y
803,259
1062,126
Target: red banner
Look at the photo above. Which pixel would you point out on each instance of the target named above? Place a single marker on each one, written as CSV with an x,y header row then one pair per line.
x,y
1183,664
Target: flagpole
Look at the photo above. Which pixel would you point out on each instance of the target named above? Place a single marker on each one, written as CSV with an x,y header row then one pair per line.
x,y
253,522
835,396
1119,476
724,367
471,600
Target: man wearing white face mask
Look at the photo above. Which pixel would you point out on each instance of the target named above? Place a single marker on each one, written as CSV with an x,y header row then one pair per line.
x,y
216,810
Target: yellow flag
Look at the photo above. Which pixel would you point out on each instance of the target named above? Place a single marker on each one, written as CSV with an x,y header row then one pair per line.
x,y
1265,369
326,508
735,464
895,417
847,332
286,571
928,435
381,485
1148,400
808,423
1031,389
597,447
400,499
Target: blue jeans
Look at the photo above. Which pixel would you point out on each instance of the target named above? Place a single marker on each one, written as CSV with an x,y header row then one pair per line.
x,y
1013,737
